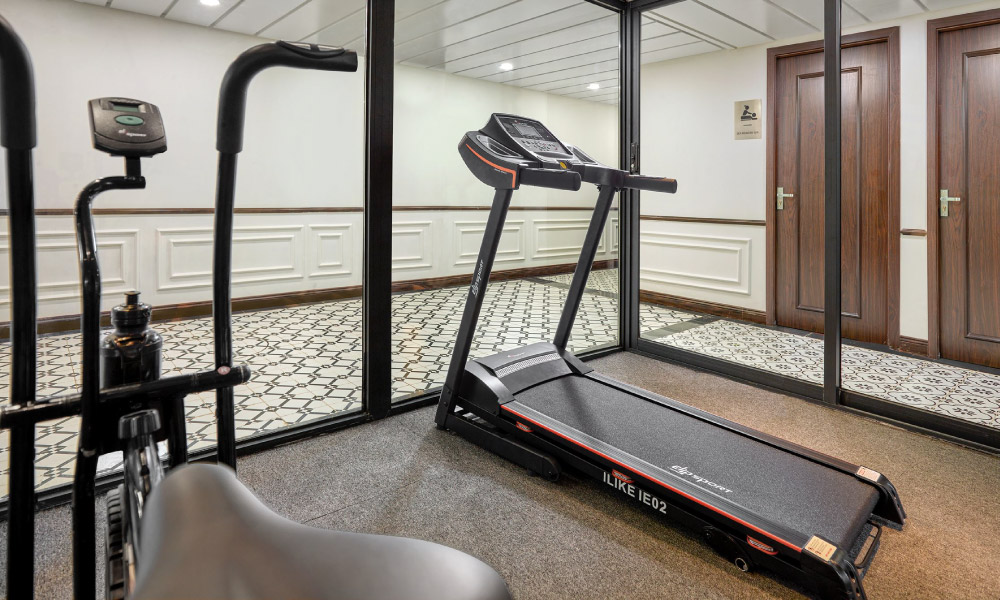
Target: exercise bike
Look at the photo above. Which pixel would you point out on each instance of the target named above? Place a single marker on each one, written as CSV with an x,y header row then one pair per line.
x,y
184,530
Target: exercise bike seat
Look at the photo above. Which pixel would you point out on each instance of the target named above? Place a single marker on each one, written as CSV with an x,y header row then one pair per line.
x,y
206,536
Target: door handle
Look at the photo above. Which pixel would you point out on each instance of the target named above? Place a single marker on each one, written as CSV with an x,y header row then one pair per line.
x,y
781,198
945,199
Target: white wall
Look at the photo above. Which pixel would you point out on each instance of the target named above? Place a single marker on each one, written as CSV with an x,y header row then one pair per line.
x,y
687,133
303,148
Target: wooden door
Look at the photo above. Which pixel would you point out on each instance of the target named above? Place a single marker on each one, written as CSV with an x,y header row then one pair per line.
x,y
798,169
968,144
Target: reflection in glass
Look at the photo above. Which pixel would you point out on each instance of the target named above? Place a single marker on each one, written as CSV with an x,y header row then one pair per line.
x,y
549,60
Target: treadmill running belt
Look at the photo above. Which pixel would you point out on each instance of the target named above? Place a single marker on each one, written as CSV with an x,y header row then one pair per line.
x,y
778,486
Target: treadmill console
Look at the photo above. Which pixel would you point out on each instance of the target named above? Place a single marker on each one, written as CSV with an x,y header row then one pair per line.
x,y
510,144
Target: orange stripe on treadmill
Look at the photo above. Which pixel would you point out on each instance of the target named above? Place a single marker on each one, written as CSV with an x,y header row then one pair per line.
x,y
513,174
657,481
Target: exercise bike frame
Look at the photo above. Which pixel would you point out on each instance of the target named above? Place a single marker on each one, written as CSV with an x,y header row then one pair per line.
x,y
101,409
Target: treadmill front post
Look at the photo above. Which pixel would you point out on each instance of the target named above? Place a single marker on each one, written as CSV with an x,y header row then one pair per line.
x,y
474,303
584,266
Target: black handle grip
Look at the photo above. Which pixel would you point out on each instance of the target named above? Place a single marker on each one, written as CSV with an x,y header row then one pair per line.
x,y
551,178
17,100
651,184
233,94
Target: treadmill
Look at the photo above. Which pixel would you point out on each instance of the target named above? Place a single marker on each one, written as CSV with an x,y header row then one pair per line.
x,y
759,501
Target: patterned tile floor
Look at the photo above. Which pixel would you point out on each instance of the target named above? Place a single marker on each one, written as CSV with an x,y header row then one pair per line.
x,y
307,359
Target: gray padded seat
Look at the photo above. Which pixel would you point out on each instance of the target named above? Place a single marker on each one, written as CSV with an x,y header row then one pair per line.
x,y
205,535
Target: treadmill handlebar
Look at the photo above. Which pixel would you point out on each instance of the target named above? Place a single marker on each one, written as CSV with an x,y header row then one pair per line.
x,y
557,179
233,94
651,184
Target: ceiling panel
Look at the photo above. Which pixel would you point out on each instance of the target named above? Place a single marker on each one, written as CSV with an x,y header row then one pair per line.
x,y
540,60
351,27
196,13
698,47
880,10
589,58
517,52
556,85
251,16
311,18
511,14
708,24
555,46
569,73
146,7
577,22
764,17
811,11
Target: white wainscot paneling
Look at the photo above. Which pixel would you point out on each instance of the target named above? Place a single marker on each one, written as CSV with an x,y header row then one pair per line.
x,y
261,255
469,237
58,269
613,229
331,250
412,245
706,262
562,238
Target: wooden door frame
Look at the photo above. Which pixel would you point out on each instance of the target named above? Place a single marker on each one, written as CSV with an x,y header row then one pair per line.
x,y
890,35
934,29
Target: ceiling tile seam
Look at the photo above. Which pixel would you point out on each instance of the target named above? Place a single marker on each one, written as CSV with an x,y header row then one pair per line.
x,y
515,70
169,8
557,70
572,85
592,93
691,30
226,13
793,15
734,20
656,37
450,25
108,3
485,32
340,20
922,6
860,14
281,18
535,85
641,52
517,42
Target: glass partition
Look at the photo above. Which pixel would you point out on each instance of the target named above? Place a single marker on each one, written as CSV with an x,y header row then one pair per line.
x,y
297,252
732,266
551,60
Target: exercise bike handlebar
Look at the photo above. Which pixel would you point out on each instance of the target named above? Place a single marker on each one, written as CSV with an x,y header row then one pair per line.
x,y
233,94
651,184
17,101
551,178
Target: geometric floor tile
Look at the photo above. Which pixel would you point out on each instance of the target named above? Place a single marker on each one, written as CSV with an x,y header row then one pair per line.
x,y
306,360
965,394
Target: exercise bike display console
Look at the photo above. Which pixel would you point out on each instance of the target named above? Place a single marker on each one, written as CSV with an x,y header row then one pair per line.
x,y
758,500
127,127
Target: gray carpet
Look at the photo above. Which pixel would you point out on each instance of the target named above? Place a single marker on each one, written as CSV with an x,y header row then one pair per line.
x,y
576,539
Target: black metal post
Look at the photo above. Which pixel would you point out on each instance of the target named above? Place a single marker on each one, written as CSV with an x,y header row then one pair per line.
x,y
582,272
832,157
222,306
628,209
474,303
376,392
17,135
21,480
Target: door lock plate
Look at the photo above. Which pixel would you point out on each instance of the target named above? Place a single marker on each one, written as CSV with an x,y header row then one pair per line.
x,y
945,200
781,198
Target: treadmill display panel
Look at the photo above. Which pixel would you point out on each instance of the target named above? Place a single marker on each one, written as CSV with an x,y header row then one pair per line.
x,y
532,135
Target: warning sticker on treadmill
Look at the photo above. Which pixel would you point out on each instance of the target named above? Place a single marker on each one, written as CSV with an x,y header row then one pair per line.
x,y
821,548
868,474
